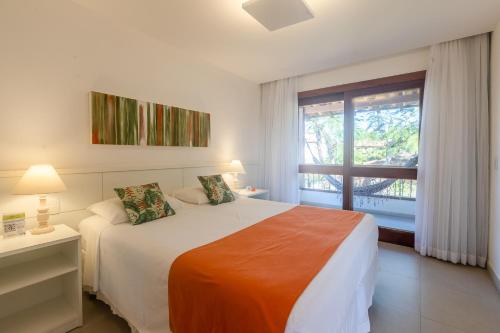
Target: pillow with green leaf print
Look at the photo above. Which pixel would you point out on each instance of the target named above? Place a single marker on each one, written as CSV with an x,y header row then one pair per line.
x,y
216,189
144,203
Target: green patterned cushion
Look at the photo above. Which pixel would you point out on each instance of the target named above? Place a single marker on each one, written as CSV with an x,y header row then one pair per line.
x,y
144,203
216,189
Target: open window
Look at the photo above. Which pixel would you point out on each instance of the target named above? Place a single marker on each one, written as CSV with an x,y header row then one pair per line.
x,y
359,149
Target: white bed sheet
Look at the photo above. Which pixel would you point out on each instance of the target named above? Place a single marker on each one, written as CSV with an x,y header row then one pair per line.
x,y
129,265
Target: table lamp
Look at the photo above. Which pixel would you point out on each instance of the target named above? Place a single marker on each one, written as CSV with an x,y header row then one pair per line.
x,y
235,167
41,180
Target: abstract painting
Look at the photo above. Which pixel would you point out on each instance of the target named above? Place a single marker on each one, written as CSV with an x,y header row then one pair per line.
x,y
124,121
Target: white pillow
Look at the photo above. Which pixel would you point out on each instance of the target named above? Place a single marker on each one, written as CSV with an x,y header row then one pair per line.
x,y
193,195
175,203
111,210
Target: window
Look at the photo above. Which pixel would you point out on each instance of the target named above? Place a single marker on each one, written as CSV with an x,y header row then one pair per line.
x,y
391,201
324,133
360,147
322,190
386,128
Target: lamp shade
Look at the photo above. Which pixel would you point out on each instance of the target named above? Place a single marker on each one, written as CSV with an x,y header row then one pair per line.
x,y
236,167
40,179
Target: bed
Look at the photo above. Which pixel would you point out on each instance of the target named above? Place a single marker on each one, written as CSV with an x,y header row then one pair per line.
x,y
127,266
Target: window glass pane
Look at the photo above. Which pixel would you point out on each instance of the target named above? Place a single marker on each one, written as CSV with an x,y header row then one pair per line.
x,y
391,201
386,128
323,128
321,190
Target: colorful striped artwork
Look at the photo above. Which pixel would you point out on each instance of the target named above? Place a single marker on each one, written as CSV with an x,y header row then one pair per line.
x,y
124,121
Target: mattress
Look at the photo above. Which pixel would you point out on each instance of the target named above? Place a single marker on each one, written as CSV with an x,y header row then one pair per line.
x,y
128,266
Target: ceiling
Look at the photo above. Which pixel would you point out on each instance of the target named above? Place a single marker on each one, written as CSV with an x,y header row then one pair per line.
x,y
343,31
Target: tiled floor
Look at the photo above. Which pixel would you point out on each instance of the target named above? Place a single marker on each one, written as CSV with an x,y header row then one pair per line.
x,y
420,294
413,295
97,318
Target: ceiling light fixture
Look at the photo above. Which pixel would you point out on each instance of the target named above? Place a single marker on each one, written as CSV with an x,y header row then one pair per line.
x,y
277,14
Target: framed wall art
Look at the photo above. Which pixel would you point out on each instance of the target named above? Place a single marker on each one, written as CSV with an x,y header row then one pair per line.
x,y
125,121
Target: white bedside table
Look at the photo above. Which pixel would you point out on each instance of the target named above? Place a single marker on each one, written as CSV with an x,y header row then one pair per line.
x,y
40,282
259,193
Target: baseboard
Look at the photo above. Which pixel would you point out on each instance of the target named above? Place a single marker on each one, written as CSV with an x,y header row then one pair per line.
x,y
394,236
494,276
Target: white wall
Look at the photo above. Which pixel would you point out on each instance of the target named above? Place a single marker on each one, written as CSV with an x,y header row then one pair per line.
x,y
413,61
54,52
494,243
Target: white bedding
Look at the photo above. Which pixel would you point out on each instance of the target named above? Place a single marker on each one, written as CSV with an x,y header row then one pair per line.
x,y
128,266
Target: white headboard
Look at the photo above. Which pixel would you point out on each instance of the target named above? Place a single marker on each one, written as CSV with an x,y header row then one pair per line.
x,y
85,187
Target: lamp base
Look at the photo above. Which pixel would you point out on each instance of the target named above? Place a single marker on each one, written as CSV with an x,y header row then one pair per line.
x,y
42,230
236,182
42,218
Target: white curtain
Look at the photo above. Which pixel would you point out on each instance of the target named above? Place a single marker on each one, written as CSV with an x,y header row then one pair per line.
x,y
453,174
280,139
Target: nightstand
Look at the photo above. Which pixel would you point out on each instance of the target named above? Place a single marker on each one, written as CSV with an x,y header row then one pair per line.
x,y
40,282
259,193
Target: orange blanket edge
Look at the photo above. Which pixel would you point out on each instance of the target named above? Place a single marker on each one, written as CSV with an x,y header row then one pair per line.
x,y
249,281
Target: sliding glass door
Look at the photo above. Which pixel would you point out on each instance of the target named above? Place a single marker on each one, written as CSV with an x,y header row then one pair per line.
x,y
360,150
323,151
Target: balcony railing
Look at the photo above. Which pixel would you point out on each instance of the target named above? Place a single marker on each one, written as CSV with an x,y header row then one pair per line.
x,y
400,189
391,201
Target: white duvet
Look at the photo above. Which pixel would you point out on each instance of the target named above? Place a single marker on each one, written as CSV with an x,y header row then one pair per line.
x,y
128,266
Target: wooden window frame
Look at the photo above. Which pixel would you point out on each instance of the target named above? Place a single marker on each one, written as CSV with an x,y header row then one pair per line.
x,y
347,92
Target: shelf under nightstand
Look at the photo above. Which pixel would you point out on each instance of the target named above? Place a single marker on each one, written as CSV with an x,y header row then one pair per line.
x,y
40,282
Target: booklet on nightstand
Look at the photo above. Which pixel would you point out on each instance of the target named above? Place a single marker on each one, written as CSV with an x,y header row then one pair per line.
x,y
13,224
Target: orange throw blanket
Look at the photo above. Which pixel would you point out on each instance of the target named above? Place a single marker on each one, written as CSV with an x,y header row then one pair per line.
x,y
250,280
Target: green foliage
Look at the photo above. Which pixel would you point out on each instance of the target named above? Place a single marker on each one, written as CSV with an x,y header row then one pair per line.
x,y
147,215
144,203
151,196
386,137
168,209
325,138
131,206
120,192
216,189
